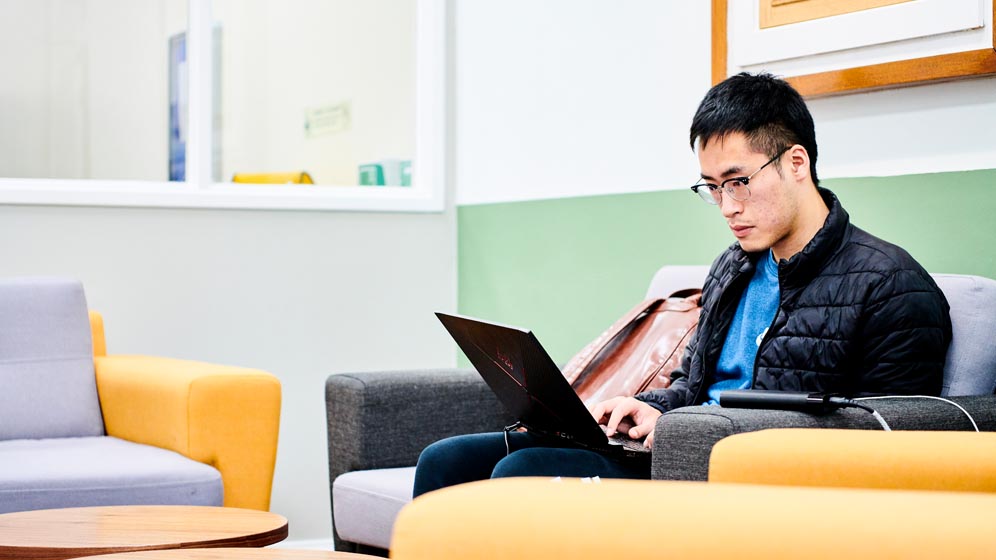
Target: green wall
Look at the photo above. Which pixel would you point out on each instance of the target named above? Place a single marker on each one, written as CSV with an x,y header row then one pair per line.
x,y
567,268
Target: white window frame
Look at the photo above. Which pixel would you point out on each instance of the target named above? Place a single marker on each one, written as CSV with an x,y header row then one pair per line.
x,y
427,193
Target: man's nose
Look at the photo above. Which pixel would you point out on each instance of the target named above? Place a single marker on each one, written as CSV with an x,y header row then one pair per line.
x,y
730,207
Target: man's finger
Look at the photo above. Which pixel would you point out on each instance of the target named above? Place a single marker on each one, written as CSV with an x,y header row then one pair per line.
x,y
640,430
620,411
598,411
601,409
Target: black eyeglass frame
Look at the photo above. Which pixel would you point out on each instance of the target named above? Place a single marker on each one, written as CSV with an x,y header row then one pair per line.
x,y
710,197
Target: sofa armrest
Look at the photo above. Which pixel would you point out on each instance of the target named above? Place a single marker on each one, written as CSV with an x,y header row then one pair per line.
x,y
683,438
384,419
227,417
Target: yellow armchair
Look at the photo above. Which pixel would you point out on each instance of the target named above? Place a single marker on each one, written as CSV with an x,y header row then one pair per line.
x,y
530,518
223,416
772,494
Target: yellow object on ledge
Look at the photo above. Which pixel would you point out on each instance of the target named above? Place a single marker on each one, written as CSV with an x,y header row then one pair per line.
x,y
291,177
223,416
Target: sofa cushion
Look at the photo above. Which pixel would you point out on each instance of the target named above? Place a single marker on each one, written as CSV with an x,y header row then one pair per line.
x,y
970,368
100,471
365,503
46,361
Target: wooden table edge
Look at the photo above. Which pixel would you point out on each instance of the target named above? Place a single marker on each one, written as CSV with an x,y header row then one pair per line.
x,y
259,540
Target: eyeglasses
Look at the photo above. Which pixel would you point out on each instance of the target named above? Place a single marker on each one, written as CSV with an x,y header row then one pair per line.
x,y
735,187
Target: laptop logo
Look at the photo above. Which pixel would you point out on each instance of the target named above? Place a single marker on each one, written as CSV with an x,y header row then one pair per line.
x,y
505,364
503,358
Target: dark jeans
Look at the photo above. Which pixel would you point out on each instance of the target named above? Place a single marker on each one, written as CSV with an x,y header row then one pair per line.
x,y
473,457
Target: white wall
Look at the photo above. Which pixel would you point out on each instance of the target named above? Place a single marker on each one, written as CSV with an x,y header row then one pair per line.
x,y
300,294
581,97
924,129
576,97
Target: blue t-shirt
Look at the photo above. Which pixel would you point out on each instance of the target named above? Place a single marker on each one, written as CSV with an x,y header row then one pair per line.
x,y
755,312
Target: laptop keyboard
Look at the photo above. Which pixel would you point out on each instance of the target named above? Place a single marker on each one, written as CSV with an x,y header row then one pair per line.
x,y
625,442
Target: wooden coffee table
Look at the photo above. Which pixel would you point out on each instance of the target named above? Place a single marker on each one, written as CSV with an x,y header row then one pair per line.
x,y
54,534
234,554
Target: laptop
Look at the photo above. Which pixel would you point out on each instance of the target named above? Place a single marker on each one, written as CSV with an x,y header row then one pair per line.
x,y
530,385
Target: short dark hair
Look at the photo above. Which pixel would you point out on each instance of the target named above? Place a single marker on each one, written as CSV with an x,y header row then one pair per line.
x,y
765,109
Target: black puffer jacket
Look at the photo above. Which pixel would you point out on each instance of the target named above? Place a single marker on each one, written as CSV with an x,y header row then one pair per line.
x,y
857,315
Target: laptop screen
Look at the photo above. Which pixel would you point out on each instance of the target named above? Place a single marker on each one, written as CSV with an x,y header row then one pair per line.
x,y
524,378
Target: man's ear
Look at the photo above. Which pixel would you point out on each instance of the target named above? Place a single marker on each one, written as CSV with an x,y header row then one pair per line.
x,y
799,162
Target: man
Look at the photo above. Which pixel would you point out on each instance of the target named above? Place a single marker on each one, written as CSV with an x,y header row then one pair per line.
x,y
844,312
802,301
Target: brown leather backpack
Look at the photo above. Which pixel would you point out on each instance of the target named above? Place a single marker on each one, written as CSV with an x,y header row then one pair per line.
x,y
638,352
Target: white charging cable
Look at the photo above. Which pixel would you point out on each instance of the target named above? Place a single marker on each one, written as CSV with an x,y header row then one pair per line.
x,y
882,421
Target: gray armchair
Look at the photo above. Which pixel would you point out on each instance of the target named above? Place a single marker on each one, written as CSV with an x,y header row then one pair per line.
x,y
378,423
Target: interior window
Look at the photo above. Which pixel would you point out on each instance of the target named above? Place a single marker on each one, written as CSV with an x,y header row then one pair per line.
x,y
315,91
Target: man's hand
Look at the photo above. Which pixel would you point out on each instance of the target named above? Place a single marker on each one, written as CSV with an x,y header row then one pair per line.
x,y
644,417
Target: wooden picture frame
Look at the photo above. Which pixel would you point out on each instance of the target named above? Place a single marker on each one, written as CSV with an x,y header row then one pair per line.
x,y
939,68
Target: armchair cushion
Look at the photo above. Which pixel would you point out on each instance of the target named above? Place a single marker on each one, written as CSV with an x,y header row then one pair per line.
x,y
366,503
46,361
91,471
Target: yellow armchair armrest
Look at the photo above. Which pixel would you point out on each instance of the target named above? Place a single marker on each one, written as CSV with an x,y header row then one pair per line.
x,y
912,460
226,417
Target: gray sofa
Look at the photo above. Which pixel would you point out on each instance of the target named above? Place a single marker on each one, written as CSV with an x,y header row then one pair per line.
x,y
379,422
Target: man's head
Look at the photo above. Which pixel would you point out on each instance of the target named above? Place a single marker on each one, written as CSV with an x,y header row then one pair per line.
x,y
757,149
765,109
